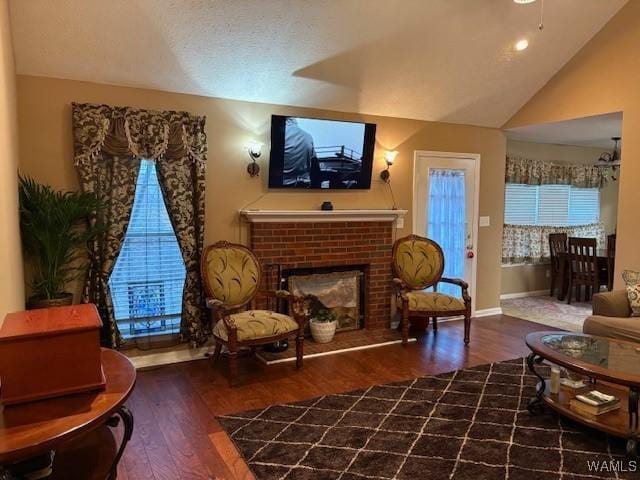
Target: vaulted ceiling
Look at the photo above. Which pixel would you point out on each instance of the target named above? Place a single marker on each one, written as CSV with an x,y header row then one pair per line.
x,y
441,60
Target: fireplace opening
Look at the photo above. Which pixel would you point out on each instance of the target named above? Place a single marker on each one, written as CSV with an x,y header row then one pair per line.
x,y
339,289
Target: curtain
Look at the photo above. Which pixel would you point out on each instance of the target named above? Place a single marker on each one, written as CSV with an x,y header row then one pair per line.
x,y
537,172
447,222
108,145
530,244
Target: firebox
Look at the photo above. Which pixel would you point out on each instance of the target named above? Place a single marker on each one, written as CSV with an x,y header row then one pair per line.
x,y
338,289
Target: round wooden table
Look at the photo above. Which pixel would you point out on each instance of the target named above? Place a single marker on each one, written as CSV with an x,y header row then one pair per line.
x,y
34,429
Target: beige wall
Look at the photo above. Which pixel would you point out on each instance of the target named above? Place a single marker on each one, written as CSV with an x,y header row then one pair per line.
x,y
47,150
11,282
529,278
603,77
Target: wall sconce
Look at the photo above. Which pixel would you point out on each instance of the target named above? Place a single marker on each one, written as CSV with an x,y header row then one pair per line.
x,y
254,149
389,157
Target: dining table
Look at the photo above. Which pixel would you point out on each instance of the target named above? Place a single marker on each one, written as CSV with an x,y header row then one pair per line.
x,y
603,264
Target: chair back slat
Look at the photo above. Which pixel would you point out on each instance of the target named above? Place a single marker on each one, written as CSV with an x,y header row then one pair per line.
x,y
611,259
583,259
557,244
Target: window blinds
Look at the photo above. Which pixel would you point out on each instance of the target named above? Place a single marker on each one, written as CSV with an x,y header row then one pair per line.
x,y
551,205
148,279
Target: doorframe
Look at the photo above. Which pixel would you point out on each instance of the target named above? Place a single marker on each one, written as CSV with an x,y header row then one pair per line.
x,y
476,207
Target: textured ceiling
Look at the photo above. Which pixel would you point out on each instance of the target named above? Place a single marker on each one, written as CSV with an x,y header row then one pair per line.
x,y
443,60
595,131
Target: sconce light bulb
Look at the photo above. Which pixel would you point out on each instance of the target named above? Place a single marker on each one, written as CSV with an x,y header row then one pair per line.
x,y
390,156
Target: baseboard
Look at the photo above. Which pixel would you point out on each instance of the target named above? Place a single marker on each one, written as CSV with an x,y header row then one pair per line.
x,y
487,312
178,355
533,293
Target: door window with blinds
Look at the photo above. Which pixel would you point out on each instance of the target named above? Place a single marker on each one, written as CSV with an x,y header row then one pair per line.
x,y
551,205
148,279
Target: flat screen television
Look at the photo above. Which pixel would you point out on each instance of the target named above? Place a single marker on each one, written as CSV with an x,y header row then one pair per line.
x,y
324,154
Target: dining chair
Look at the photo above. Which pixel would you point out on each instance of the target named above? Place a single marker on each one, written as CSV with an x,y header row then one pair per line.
x,y
557,245
583,268
611,259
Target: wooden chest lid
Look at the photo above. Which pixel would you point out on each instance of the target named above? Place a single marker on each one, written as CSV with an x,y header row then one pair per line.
x,y
49,321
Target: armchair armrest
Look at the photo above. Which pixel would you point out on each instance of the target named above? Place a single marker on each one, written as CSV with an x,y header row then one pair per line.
x,y
612,304
399,283
464,286
455,281
214,304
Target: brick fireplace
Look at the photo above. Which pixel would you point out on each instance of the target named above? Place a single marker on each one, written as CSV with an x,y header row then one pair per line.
x,y
317,240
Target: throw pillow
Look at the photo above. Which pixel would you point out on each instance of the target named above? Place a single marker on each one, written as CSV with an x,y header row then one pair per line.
x,y
632,279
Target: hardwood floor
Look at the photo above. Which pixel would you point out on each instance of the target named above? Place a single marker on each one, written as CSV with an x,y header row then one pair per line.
x,y
177,437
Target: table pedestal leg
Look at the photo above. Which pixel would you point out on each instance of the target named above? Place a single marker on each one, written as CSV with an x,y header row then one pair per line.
x,y
127,422
536,404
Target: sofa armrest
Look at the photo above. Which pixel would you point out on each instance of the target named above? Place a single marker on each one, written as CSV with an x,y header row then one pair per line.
x,y
612,304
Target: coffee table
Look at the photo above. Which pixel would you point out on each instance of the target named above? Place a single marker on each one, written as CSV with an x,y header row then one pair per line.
x,y
613,364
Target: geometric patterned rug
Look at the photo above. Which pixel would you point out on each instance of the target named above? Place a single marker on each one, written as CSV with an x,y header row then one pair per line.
x,y
468,424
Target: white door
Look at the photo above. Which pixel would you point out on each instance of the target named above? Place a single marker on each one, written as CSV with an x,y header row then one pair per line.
x,y
445,209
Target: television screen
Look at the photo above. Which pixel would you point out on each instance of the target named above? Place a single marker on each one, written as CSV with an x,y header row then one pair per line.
x,y
316,153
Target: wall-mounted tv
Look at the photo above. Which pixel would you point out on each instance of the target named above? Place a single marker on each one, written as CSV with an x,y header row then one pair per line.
x,y
324,154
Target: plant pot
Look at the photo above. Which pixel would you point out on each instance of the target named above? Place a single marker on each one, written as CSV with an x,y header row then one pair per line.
x,y
65,299
322,332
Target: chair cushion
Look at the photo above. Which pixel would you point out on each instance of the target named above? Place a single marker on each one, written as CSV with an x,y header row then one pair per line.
x,y
255,324
232,274
434,301
418,261
632,279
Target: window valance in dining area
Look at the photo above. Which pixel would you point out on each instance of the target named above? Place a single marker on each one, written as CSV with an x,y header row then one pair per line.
x,y
530,243
540,172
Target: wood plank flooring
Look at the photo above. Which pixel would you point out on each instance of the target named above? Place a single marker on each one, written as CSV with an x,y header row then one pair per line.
x,y
177,437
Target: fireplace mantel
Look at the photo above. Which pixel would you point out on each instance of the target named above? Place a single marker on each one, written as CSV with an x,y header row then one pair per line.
x,y
313,216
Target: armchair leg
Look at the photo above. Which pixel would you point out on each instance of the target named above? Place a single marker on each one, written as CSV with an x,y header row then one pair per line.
x,y
467,328
299,351
435,324
233,367
404,323
216,352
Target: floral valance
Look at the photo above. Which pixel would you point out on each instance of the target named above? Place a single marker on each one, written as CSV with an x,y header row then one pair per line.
x,y
530,244
539,172
133,132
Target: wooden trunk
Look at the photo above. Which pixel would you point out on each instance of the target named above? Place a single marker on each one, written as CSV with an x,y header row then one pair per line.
x,y
50,352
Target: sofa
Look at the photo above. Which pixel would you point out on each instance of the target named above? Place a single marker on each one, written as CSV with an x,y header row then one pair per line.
x,y
612,317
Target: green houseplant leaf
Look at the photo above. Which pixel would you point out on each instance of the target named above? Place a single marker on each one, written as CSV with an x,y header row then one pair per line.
x,y
55,230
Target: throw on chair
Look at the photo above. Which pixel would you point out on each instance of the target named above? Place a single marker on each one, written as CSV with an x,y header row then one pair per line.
x,y
232,276
418,263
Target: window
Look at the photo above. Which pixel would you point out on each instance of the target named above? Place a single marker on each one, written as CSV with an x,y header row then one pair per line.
x,y
148,278
551,205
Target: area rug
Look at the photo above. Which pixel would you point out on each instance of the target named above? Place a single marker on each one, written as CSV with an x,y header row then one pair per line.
x,y
548,311
467,424
343,342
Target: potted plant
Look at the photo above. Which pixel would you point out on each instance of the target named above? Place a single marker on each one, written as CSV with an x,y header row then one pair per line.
x,y
55,232
323,325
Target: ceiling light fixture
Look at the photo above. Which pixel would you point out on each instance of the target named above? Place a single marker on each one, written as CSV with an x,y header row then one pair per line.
x,y
523,2
611,160
522,44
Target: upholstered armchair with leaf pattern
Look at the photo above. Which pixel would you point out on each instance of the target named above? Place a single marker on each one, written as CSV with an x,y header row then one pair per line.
x,y
232,276
418,264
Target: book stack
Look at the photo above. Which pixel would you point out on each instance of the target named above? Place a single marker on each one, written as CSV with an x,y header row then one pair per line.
x,y
594,403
